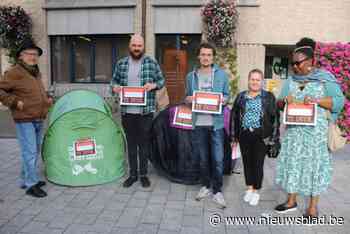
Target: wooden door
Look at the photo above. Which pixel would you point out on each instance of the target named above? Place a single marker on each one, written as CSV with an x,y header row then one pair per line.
x,y
175,68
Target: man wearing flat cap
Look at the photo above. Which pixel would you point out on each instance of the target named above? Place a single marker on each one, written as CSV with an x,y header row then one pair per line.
x,y
22,91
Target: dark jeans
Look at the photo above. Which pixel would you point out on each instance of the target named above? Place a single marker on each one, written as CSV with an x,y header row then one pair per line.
x,y
253,152
208,146
138,129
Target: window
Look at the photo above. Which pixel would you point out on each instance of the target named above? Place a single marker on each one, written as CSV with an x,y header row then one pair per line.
x,y
86,58
248,3
277,60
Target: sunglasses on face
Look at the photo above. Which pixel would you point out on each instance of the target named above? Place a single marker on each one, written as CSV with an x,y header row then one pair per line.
x,y
297,63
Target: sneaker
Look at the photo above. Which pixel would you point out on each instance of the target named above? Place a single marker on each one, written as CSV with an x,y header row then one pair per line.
x,y
145,181
248,195
129,181
203,193
219,199
36,191
283,208
254,199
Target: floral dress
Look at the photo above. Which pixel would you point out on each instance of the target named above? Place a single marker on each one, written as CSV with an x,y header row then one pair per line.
x,y
304,164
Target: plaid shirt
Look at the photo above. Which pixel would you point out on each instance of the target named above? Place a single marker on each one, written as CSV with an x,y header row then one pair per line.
x,y
150,73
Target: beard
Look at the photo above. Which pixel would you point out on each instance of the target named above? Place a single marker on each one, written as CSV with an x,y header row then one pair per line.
x,y
136,55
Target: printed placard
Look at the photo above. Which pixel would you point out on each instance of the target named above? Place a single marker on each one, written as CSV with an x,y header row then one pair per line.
x,y
133,96
84,148
183,116
300,114
207,102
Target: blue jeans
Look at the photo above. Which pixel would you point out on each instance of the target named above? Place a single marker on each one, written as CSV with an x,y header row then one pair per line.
x,y
29,135
208,146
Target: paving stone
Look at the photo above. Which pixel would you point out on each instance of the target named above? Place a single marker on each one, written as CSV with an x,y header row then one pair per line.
x,y
137,203
193,210
7,229
192,221
110,215
116,205
130,218
101,226
120,230
179,205
20,220
158,199
178,196
172,220
34,227
147,229
152,214
60,222
77,228
87,219
190,230
164,231
142,195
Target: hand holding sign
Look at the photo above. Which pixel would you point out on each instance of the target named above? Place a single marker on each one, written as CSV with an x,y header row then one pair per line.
x,y
289,99
133,96
207,102
116,89
310,100
189,99
300,114
182,117
150,86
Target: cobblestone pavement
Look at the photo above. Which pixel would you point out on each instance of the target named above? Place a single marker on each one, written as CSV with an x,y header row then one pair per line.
x,y
165,208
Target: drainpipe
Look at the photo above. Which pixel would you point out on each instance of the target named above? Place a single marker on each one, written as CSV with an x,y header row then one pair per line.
x,y
144,6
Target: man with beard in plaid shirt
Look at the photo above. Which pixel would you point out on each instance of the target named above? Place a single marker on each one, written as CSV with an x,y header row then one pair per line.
x,y
138,69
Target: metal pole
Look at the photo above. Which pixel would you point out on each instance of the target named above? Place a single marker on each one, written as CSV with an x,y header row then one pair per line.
x,y
144,11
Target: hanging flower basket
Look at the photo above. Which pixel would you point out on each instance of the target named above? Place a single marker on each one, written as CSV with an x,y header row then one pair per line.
x,y
220,18
15,27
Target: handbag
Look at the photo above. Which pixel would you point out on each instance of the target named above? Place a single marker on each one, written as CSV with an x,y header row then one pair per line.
x,y
162,99
236,151
273,149
335,139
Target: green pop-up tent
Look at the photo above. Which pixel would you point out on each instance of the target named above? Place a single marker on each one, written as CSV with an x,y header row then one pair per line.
x,y
83,145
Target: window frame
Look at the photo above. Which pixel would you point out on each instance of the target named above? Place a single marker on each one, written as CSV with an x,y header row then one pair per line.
x,y
92,56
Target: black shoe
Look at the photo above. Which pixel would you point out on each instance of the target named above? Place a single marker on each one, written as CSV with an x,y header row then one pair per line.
x,y
36,191
129,181
283,208
145,181
40,184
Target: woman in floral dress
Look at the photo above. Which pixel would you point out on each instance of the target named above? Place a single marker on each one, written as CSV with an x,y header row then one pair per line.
x,y
304,165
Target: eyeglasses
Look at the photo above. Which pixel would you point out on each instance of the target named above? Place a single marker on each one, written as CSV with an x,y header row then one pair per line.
x,y
297,63
31,54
